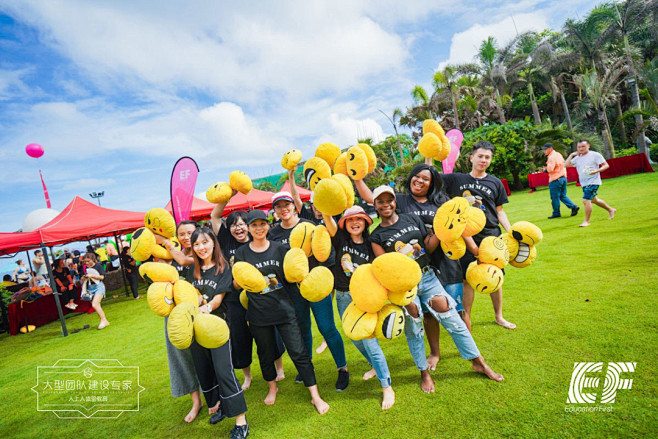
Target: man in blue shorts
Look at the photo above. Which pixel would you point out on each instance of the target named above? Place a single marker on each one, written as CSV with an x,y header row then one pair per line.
x,y
589,165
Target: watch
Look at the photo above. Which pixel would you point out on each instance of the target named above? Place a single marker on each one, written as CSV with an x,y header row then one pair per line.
x,y
209,307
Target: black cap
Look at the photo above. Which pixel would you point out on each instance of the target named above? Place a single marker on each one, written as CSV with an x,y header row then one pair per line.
x,y
256,215
547,145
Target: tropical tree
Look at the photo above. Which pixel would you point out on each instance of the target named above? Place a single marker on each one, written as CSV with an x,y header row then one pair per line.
x,y
445,81
599,94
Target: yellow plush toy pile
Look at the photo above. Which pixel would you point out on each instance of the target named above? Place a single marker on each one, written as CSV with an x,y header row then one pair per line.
x,y
521,240
187,324
166,290
143,245
453,221
392,277
221,192
434,144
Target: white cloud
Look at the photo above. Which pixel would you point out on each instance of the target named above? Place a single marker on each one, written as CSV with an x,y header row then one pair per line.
x,y
464,46
346,131
85,184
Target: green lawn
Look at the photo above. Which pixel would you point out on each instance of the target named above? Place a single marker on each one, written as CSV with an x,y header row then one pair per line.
x,y
590,296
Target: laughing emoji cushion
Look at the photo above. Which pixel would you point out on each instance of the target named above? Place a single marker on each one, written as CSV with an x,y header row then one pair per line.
x,y
142,244
315,169
160,222
526,232
357,163
390,322
240,182
328,152
291,159
475,222
219,193
484,278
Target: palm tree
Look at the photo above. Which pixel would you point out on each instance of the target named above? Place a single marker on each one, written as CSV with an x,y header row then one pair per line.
x,y
626,17
599,94
397,114
487,57
587,37
445,81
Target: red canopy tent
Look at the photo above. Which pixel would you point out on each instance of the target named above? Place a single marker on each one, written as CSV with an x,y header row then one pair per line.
x,y
79,221
304,194
256,199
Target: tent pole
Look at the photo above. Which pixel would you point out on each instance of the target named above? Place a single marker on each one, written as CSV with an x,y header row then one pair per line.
x,y
123,269
29,261
52,255
56,293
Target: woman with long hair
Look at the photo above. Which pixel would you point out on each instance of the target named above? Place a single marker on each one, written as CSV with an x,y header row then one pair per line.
x,y
406,233
182,377
211,275
272,309
94,275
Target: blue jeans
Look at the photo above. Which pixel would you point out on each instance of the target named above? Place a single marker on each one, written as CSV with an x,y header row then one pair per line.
x,y
558,190
429,287
323,311
369,348
456,291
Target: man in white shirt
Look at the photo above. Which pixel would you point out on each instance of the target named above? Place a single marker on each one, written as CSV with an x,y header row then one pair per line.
x,y
589,165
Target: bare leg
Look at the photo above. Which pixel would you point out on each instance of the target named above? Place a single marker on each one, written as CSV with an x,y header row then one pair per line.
x,y
599,202
241,419
247,378
481,367
280,374
432,331
497,301
321,406
96,304
322,347
389,398
588,213
270,399
196,406
467,303
370,374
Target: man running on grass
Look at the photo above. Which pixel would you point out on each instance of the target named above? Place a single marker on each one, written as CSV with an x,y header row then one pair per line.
x,y
589,165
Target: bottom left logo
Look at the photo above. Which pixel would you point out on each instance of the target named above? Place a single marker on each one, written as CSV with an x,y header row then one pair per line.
x,y
91,389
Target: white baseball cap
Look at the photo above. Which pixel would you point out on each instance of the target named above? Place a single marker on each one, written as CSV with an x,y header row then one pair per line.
x,y
381,190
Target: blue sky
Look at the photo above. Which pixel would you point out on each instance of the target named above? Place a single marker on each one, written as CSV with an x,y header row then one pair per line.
x,y
117,91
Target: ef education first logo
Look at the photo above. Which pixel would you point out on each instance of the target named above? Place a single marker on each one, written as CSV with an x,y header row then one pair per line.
x,y
585,387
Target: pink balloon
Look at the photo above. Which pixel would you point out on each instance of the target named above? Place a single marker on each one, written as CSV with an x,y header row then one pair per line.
x,y
34,150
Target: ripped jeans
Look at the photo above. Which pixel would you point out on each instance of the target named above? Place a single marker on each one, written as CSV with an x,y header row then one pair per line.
x,y
429,287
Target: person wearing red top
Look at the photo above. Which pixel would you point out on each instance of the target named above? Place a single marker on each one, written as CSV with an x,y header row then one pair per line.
x,y
557,181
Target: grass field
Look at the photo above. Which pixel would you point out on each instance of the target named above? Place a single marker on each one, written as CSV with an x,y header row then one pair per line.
x,y
590,296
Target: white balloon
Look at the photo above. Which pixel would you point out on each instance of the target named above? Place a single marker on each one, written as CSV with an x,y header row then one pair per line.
x,y
38,218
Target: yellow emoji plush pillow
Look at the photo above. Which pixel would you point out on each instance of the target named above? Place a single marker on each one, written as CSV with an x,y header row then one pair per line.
x,y
315,169
358,324
450,219
301,237
219,193
340,167
210,331
390,322
240,181
180,326
160,222
160,297
158,272
493,250
317,285
357,163
295,265
291,159
429,145
484,278
328,152
248,277
367,293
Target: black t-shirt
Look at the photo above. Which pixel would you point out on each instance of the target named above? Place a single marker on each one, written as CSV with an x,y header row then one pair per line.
x,y
273,306
98,267
450,271
228,243
489,190
128,263
62,276
308,214
406,236
349,255
182,269
212,284
280,234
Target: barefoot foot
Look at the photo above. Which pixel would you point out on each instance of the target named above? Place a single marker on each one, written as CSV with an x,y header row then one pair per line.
x,y
481,367
432,361
280,375
584,225
389,398
321,406
426,382
194,411
270,399
212,410
612,213
104,324
370,374
504,323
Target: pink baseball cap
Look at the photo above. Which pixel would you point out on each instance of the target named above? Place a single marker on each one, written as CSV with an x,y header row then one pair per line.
x,y
283,195
354,211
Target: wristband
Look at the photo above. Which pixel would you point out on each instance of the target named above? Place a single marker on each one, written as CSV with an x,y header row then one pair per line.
x,y
209,307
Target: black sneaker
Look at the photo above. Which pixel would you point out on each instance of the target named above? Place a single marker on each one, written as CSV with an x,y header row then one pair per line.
x,y
574,211
240,431
343,380
298,378
218,416
554,216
